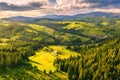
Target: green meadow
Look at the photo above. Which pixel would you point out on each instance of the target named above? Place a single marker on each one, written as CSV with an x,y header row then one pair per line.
x,y
44,59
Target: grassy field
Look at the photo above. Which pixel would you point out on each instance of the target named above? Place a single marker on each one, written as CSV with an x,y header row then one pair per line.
x,y
78,25
44,58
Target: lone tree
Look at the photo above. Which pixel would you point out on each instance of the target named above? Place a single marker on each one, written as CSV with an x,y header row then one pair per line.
x,y
50,72
44,71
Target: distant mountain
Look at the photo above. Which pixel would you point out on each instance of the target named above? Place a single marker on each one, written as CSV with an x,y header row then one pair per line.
x,y
20,18
95,14
56,16
98,14
66,17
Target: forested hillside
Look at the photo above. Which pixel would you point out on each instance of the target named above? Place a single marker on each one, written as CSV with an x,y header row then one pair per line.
x,y
101,62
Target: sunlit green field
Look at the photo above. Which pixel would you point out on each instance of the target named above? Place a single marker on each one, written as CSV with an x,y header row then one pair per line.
x,y
78,25
44,59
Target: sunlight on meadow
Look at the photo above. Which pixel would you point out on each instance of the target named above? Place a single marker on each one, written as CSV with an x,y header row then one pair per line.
x,y
44,59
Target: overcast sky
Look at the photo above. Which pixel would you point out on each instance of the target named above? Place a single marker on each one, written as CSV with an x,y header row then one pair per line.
x,y
34,8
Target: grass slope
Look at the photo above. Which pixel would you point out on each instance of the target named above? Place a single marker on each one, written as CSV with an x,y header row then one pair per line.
x,y
44,59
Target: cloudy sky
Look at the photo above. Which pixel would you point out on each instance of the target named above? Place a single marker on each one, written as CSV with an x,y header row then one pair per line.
x,y
34,8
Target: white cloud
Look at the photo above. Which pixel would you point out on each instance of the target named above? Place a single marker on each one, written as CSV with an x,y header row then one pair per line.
x,y
70,4
109,10
32,13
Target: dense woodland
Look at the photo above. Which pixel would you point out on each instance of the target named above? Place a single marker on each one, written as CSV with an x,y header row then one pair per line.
x,y
102,62
93,38
14,54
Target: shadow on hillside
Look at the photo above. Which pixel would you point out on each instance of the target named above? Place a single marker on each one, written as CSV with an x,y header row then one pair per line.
x,y
35,62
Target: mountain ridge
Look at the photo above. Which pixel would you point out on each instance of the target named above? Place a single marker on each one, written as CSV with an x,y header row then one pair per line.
x,y
65,17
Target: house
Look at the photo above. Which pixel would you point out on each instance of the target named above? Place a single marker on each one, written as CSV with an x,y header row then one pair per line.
x,y
55,53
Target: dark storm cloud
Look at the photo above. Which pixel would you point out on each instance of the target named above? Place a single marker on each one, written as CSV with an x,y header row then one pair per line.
x,y
30,6
53,1
103,3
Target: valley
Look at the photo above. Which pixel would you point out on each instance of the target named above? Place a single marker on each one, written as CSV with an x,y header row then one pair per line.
x,y
59,39
49,49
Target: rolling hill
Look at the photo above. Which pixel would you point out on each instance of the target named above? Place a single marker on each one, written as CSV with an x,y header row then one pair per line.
x,y
28,49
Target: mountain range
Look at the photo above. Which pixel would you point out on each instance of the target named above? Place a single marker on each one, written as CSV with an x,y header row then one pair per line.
x,y
65,17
